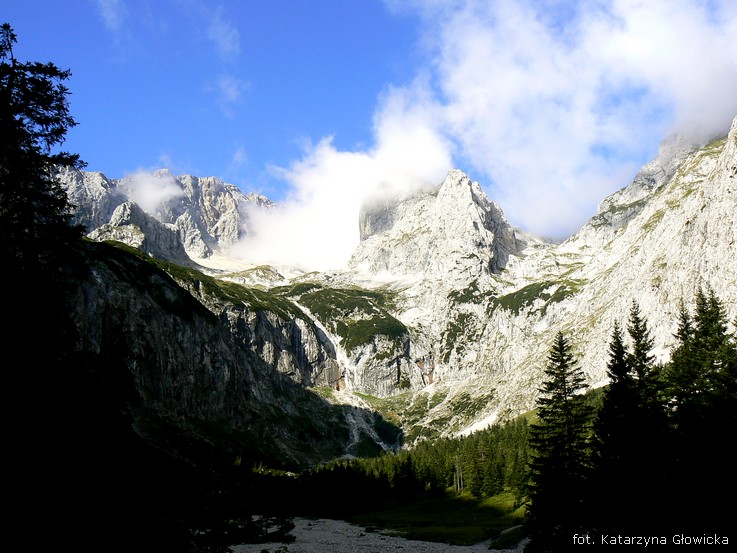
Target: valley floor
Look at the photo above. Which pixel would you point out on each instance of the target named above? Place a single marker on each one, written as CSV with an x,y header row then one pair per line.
x,y
337,536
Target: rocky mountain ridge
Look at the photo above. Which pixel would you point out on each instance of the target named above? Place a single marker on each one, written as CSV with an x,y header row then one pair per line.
x,y
446,312
206,214
199,367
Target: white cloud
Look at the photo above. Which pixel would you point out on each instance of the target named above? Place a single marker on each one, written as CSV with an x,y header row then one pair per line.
x,y
316,227
550,105
240,156
227,90
113,13
555,111
222,33
150,190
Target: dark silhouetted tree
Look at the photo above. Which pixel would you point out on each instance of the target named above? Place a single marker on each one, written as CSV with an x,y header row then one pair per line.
x,y
560,463
36,244
35,222
615,458
702,389
631,433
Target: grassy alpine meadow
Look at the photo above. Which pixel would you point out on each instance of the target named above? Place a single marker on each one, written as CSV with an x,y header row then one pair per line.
x,y
456,519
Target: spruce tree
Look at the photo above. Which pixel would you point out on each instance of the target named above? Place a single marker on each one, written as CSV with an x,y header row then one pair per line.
x,y
35,222
560,462
649,430
631,433
695,373
615,458
69,420
640,359
702,389
37,238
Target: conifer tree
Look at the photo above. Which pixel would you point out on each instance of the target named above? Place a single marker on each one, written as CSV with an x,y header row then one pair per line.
x,y
35,222
618,405
37,237
48,452
615,460
701,386
560,462
631,432
649,429
697,362
640,359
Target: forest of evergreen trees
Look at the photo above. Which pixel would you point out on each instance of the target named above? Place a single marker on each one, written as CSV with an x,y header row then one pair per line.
x,y
648,454
654,458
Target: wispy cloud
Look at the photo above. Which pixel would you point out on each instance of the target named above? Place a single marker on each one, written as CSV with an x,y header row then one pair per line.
x,y
233,172
316,227
174,163
555,104
222,33
240,157
113,13
227,90
150,190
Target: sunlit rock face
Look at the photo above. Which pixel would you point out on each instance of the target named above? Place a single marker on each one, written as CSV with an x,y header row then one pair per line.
x,y
131,225
93,196
207,214
446,303
486,315
451,232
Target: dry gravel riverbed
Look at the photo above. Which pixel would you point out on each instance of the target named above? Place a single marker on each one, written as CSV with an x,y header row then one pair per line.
x,y
337,536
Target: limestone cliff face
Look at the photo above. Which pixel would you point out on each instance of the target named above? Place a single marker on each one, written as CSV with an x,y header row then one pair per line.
x,y
131,225
431,251
93,196
451,232
488,331
276,331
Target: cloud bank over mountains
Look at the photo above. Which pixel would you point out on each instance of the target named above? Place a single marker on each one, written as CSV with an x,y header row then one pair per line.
x,y
550,105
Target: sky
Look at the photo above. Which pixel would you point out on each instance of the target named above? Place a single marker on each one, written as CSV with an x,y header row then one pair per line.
x,y
549,104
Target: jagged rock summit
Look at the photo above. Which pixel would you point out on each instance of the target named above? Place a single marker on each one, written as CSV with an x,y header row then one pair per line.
x,y
131,225
207,214
452,232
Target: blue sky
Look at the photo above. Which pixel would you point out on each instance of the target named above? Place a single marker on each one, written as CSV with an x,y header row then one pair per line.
x,y
224,89
549,104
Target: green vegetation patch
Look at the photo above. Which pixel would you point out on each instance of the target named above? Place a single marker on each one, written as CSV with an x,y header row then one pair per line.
x,y
391,408
356,315
406,410
465,407
296,289
230,292
458,328
471,294
363,332
548,291
453,519
324,392
263,272
653,221
605,218
263,300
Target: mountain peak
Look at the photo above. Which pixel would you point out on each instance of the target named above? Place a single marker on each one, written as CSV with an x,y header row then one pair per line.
x,y
452,228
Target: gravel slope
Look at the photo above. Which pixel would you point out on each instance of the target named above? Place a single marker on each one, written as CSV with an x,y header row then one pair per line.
x,y
337,536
